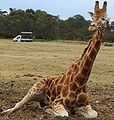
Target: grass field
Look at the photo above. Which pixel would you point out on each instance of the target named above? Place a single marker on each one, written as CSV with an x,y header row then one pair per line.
x,y
23,63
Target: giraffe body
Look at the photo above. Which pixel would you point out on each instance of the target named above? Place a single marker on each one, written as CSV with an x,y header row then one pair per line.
x,y
60,95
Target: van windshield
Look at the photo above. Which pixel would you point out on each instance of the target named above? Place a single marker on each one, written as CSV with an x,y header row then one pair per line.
x,y
27,36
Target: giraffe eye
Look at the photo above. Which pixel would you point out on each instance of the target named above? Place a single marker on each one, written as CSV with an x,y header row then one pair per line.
x,y
103,19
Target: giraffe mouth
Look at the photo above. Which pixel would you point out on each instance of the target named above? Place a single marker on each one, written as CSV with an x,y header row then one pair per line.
x,y
92,28
98,27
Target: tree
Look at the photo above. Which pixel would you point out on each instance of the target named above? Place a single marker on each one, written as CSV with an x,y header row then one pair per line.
x,y
47,26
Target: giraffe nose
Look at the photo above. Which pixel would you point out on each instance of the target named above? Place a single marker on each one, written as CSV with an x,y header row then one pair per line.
x,y
92,27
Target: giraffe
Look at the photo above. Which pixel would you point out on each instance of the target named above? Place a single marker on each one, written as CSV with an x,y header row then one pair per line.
x,y
61,95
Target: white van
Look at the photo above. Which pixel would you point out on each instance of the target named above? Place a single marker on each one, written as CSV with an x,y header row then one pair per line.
x,y
24,37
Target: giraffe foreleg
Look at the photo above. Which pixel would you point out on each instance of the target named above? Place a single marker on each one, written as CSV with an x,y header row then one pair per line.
x,y
57,109
34,94
83,106
28,97
86,109
60,110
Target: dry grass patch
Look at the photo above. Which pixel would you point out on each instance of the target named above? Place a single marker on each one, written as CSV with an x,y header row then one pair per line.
x,y
50,58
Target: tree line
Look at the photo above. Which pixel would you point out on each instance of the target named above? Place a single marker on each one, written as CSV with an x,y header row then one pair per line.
x,y
46,26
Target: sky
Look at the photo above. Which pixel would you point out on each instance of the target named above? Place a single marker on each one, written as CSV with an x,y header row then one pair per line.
x,y
63,8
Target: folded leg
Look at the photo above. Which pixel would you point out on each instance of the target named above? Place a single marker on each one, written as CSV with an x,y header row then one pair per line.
x,y
57,109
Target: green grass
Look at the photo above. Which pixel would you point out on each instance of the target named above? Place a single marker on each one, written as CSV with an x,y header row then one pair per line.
x,y
50,58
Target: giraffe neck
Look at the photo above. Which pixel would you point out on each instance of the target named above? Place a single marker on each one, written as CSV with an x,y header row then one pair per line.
x,y
88,57
81,69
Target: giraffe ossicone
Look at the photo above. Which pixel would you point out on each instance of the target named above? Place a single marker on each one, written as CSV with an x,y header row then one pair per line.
x,y
60,95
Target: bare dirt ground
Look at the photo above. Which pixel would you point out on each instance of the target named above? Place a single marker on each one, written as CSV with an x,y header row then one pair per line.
x,y
22,64
102,100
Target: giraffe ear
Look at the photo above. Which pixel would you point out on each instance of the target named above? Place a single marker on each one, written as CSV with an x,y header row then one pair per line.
x,y
91,14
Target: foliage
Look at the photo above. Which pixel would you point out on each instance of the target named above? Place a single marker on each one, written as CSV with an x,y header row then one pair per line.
x,y
46,26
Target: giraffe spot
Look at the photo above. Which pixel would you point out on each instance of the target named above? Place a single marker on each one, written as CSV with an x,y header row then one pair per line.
x,y
56,81
48,98
65,91
54,92
52,98
87,62
37,91
66,102
71,77
59,87
97,37
69,72
84,71
48,92
92,54
101,36
97,45
67,81
42,81
71,95
78,91
84,89
89,48
82,98
48,82
80,79
75,68
51,85
37,85
62,79
73,86
72,102
72,66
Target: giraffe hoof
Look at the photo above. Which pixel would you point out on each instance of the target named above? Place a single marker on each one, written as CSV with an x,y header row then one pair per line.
x,y
61,111
88,112
56,113
64,114
4,112
50,111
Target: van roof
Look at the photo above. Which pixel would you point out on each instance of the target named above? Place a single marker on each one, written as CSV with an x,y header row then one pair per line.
x,y
26,32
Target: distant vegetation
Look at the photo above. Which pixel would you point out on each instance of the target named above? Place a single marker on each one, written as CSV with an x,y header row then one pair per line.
x,y
46,26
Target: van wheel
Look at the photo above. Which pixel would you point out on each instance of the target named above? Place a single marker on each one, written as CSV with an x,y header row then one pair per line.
x,y
19,40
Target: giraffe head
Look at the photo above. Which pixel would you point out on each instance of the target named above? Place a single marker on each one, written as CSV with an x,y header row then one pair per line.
x,y
99,17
